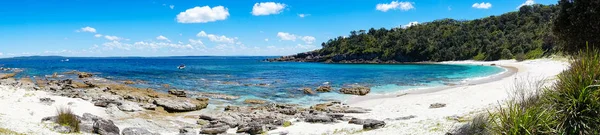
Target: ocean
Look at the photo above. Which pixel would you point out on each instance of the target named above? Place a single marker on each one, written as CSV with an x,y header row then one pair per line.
x,y
250,77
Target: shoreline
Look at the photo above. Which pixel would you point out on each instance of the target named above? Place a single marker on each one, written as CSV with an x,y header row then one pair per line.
x,y
509,71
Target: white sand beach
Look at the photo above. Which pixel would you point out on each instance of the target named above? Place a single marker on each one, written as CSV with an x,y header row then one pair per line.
x,y
462,101
406,112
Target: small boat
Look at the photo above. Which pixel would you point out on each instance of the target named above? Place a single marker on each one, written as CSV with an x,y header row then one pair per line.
x,y
181,66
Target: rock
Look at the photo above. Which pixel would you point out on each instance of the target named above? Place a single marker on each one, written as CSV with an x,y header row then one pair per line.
x,y
90,84
137,131
105,103
368,124
6,76
319,119
326,88
63,129
178,93
252,128
187,131
356,110
180,104
232,108
373,124
356,90
148,106
128,106
254,101
403,118
217,96
308,91
214,128
437,105
46,101
208,117
128,82
105,127
204,99
288,111
84,75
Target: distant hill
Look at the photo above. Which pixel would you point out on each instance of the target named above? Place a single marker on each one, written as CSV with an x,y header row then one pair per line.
x,y
521,34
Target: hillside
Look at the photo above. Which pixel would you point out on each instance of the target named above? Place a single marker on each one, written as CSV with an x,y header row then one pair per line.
x,y
522,34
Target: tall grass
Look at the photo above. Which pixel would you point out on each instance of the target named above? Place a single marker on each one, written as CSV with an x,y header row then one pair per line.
x,y
576,97
66,117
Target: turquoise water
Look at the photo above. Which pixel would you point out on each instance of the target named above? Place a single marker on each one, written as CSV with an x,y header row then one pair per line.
x,y
240,75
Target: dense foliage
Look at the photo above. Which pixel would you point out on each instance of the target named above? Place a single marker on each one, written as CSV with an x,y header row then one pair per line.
x,y
526,33
578,22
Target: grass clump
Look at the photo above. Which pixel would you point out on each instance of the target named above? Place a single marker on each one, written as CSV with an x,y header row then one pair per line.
x,y
4,131
287,123
477,126
66,117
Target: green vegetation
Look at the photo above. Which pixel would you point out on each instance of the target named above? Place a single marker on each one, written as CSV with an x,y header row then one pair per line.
x,y
578,23
67,118
287,123
4,131
527,31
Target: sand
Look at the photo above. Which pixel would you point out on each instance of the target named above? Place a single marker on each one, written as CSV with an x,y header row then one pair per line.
x,y
21,110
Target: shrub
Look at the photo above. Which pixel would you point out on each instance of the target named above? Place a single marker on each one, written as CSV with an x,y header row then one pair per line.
x,y
576,97
480,57
66,117
520,57
287,123
537,53
477,126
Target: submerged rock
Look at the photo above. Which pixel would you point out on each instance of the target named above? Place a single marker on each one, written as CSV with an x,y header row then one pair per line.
x,y
326,88
308,91
254,101
84,75
178,93
356,90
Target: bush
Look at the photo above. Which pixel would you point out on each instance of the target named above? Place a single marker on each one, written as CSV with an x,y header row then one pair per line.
x,y
520,57
537,53
576,95
477,126
66,117
480,57
287,123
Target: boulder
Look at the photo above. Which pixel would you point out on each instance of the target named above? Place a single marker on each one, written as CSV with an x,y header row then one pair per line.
x,y
252,128
325,88
254,101
437,105
368,124
178,93
319,118
137,131
180,104
6,76
128,106
214,128
84,75
308,91
356,90
105,127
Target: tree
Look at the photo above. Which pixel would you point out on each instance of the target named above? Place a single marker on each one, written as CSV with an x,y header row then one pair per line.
x,y
578,22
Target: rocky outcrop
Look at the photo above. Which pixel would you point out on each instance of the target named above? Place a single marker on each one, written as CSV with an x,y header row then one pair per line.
x,y
356,90
84,75
325,88
308,91
337,107
368,124
137,131
214,127
178,93
6,76
105,127
172,104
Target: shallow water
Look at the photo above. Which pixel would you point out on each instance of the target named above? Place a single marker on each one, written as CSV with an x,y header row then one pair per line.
x,y
240,75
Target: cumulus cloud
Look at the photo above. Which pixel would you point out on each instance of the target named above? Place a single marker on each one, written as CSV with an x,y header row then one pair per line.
x,y
308,39
286,36
171,6
161,37
482,5
410,24
217,38
112,38
303,15
87,29
203,14
98,35
395,5
527,3
267,8
195,42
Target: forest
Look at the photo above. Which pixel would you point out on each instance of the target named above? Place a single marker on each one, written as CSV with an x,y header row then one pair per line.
x,y
523,34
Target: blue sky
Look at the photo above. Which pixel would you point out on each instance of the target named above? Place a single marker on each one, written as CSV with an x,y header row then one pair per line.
x,y
211,27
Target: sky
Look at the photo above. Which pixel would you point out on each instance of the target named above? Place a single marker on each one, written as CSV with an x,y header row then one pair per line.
x,y
104,28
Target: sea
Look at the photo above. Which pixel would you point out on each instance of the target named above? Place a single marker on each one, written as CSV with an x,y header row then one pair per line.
x,y
252,78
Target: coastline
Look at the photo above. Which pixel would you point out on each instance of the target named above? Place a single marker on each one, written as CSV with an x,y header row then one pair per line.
x,y
411,113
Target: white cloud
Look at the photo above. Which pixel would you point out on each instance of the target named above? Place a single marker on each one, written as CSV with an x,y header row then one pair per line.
x,y
405,6
308,39
195,42
87,29
217,38
203,14
267,8
171,6
527,3
410,24
303,15
286,36
112,38
161,37
482,5
266,39
1,54
98,35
